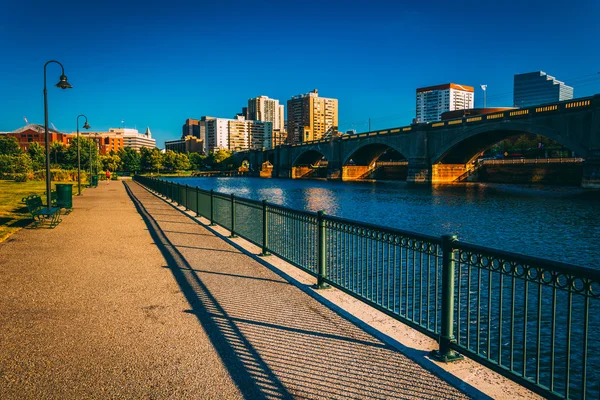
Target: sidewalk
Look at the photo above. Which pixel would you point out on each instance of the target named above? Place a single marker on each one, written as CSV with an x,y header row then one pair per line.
x,y
130,298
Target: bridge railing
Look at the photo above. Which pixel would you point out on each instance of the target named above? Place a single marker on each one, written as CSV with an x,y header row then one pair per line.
x,y
533,320
517,113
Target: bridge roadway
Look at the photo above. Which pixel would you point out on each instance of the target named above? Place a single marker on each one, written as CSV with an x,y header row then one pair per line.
x,y
442,151
130,297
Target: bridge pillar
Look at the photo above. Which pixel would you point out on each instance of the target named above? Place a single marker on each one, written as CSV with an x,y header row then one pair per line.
x,y
355,172
446,173
591,171
419,170
334,171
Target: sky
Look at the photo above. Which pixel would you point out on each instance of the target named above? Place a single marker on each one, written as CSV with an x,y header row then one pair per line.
x,y
156,63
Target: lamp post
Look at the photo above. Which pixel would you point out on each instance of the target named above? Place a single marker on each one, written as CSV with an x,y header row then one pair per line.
x,y
484,87
63,84
85,126
97,147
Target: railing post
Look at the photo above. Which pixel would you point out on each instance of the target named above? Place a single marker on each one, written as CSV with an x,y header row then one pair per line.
x,y
265,232
445,353
232,235
186,197
322,256
212,208
197,202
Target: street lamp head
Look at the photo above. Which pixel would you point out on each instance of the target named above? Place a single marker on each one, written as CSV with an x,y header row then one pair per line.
x,y
86,125
63,84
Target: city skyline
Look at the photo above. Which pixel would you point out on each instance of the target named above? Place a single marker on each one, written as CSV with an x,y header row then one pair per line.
x,y
147,67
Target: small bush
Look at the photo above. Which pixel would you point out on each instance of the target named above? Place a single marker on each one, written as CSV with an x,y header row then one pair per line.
x,y
23,177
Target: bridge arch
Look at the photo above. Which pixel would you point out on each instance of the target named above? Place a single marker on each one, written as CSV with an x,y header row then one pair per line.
x,y
308,164
465,147
360,163
369,153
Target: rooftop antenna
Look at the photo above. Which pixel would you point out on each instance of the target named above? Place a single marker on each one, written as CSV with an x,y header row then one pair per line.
x,y
26,122
53,127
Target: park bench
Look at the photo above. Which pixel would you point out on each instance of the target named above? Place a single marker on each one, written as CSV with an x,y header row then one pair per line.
x,y
39,213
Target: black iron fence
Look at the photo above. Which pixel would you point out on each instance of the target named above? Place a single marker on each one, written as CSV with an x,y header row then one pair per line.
x,y
534,321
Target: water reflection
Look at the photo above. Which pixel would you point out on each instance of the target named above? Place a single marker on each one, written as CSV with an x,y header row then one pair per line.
x,y
561,223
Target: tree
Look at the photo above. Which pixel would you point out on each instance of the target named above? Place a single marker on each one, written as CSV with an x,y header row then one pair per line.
x,y
37,152
151,159
197,160
182,162
169,160
110,162
9,145
57,150
156,160
15,164
219,159
130,159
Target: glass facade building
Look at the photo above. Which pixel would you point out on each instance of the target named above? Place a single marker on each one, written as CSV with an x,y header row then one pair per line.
x,y
536,88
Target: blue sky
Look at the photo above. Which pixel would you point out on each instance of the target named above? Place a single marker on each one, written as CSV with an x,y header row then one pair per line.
x,y
156,63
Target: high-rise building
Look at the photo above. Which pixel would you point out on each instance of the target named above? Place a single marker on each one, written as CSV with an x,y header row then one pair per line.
x,y
237,134
191,128
311,117
264,109
535,88
432,101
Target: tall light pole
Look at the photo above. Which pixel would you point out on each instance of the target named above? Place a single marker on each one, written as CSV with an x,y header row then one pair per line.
x,y
63,84
85,126
484,87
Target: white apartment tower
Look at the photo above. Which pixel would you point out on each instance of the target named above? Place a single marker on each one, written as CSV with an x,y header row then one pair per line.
x,y
264,109
432,101
237,134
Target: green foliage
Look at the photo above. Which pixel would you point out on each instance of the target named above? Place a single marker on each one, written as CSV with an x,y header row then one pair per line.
x,y
169,159
221,159
182,162
57,153
197,161
22,177
86,148
9,145
130,159
15,164
110,162
37,152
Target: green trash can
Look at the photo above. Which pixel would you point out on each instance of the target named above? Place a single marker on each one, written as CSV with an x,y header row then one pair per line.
x,y
94,181
64,195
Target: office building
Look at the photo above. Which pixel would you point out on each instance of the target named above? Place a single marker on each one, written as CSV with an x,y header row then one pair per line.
x,y
534,88
432,101
117,138
191,128
311,117
187,144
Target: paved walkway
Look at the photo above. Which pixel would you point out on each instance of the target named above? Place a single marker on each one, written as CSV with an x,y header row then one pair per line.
x,y
130,298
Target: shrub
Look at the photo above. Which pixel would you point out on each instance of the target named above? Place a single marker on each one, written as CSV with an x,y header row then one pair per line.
x,y
22,177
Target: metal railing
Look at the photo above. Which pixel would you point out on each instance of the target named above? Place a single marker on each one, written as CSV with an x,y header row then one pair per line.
x,y
534,321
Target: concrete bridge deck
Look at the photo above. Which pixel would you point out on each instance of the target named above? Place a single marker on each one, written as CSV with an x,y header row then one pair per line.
x,y
130,298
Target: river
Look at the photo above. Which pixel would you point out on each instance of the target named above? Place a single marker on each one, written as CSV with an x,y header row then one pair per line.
x,y
556,222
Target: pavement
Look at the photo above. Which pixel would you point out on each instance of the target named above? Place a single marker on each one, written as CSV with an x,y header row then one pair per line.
x,y
129,297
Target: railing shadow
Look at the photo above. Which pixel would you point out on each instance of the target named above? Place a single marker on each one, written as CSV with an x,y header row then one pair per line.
x,y
276,347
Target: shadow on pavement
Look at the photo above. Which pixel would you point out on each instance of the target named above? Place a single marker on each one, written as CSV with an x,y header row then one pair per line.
x,y
273,349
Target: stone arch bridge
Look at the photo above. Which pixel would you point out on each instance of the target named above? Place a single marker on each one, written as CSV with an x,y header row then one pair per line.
x,y
442,151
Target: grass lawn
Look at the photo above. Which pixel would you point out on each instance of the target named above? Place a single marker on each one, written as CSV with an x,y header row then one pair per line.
x,y
13,212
